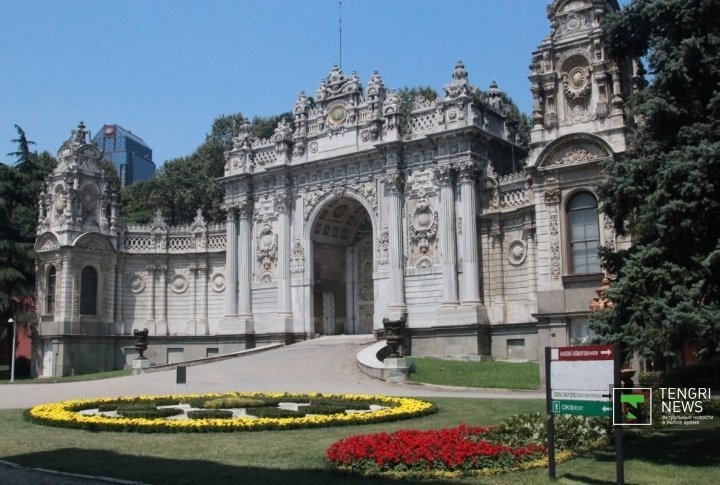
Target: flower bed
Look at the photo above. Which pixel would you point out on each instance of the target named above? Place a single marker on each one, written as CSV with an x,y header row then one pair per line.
x,y
444,453
516,444
84,414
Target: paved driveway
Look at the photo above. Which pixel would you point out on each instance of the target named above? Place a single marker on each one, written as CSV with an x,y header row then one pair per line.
x,y
326,364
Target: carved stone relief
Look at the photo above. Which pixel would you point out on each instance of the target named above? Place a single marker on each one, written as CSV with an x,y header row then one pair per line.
x,y
517,252
179,283
137,282
383,249
217,282
423,225
554,223
266,246
297,257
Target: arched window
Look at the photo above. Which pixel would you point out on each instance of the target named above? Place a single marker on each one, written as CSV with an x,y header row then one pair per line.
x,y
50,291
584,234
88,291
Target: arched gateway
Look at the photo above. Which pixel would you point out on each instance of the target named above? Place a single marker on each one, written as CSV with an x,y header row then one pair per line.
x,y
341,238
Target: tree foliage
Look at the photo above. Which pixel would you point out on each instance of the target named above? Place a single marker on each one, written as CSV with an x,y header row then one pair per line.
x,y
665,193
20,186
184,185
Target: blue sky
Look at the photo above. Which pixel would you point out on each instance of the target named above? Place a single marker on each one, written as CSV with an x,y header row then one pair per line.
x,y
164,69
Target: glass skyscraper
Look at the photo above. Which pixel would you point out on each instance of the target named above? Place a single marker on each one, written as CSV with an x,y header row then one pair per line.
x,y
128,152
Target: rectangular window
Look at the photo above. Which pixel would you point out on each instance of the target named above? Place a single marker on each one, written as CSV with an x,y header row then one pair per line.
x,y
212,352
516,348
175,355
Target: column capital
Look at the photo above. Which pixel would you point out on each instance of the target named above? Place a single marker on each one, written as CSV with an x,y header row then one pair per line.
x,y
467,171
394,182
444,174
282,201
244,208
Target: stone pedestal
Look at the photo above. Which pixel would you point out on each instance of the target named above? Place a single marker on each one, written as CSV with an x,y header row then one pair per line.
x,y
396,370
139,364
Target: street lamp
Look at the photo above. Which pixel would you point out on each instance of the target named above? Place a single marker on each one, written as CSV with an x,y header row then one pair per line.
x,y
12,362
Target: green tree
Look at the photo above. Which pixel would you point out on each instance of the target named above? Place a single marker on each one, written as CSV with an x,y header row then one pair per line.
x,y
185,184
665,193
20,186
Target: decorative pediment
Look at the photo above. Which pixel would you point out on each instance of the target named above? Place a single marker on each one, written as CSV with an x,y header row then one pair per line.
x,y
93,242
46,242
574,150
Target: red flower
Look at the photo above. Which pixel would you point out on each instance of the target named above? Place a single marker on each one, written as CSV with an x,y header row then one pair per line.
x,y
445,449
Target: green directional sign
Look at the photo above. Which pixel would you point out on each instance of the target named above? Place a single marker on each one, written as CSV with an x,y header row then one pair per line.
x,y
582,408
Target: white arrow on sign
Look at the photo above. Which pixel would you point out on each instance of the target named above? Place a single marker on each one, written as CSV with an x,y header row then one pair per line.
x,y
606,352
606,409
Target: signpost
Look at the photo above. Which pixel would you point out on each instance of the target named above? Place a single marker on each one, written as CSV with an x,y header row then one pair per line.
x,y
580,382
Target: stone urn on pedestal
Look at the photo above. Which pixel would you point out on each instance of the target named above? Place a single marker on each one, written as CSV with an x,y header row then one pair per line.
x,y
396,367
141,345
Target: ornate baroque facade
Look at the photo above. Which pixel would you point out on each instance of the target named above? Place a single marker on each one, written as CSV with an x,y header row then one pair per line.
x,y
366,206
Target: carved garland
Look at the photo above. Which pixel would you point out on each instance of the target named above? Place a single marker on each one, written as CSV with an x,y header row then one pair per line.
x,y
552,199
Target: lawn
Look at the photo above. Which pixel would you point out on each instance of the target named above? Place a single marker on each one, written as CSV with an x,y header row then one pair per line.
x,y
488,373
5,377
297,457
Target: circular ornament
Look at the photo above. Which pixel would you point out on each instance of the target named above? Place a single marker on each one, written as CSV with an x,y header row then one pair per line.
x,y
337,115
577,85
516,252
217,282
137,283
178,283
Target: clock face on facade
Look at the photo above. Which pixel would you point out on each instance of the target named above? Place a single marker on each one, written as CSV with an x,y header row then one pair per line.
x,y
337,115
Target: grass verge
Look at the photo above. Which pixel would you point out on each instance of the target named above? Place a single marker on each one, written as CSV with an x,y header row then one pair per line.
x,y
298,457
5,377
487,374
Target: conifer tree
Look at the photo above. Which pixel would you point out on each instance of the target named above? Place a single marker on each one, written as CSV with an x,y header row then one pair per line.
x,y
665,193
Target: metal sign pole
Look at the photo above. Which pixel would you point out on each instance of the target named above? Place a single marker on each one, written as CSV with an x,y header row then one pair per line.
x,y
617,420
12,362
550,418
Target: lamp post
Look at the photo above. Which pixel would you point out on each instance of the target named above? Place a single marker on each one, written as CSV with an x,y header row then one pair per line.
x,y
12,362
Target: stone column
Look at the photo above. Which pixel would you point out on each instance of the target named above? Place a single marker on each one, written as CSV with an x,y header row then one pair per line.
x,y
393,190
67,288
192,321
471,270
496,245
447,235
203,284
244,259
231,257
119,289
161,326
282,205
151,315
529,232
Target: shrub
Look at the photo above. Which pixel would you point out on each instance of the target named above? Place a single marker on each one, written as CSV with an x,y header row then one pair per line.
x,y
108,407
355,405
210,414
149,413
573,433
323,409
267,412
234,402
